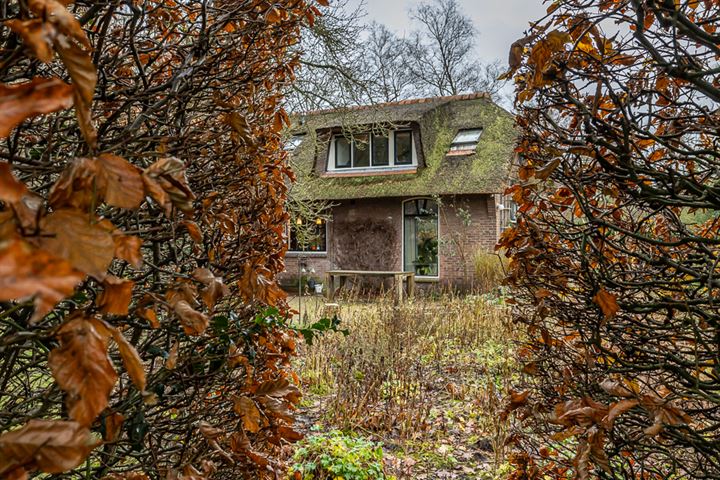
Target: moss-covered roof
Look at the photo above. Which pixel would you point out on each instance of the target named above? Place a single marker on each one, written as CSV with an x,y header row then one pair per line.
x,y
437,120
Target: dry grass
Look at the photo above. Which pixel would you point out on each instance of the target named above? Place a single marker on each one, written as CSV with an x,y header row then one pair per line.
x,y
422,374
490,269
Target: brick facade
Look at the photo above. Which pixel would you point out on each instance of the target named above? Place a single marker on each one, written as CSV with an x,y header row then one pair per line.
x,y
366,234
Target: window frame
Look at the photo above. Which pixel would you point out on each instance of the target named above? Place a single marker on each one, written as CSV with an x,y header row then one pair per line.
x,y
465,148
292,143
289,251
412,147
350,149
332,164
402,238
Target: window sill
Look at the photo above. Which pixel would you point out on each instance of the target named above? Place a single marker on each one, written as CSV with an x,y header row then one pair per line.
x,y
460,153
364,172
427,279
290,254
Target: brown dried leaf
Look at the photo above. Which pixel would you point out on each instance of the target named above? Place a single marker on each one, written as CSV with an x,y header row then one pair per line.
x,y
25,272
25,100
617,409
618,389
171,361
113,424
37,36
194,231
240,443
87,246
84,77
28,210
276,408
214,287
128,476
128,248
52,446
131,360
116,295
607,303
194,323
149,315
55,13
12,190
547,170
78,186
289,434
277,388
82,368
122,182
248,411
166,183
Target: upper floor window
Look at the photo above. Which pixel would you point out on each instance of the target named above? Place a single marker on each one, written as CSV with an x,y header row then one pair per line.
x,y
372,150
293,142
465,141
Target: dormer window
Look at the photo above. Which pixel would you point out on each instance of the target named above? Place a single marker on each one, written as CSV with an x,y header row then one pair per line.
x,y
465,142
293,142
371,151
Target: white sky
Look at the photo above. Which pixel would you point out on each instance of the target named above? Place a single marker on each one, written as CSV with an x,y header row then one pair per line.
x,y
498,22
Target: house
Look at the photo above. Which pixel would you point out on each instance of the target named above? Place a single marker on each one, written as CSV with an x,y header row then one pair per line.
x,y
414,185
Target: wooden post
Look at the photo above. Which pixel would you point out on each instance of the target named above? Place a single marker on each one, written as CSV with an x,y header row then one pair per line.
x,y
411,285
329,280
399,287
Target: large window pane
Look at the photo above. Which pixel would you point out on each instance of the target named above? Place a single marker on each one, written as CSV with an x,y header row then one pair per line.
x,y
308,236
420,242
403,148
342,152
380,151
361,150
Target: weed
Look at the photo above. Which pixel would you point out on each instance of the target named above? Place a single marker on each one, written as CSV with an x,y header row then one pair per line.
x,y
337,455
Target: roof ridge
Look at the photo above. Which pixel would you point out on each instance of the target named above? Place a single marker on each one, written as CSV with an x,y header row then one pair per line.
x,y
410,101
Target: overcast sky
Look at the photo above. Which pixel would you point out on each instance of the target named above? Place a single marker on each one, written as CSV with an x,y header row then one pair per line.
x,y
498,22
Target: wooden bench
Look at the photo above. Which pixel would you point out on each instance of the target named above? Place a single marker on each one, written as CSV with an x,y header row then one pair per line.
x,y
409,277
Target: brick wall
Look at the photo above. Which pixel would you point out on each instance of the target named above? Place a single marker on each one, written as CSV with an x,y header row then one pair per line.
x,y
467,225
366,234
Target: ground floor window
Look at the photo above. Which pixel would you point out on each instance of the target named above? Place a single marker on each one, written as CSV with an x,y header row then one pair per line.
x,y
420,237
307,235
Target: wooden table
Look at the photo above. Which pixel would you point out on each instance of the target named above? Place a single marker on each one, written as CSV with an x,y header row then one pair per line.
x,y
399,278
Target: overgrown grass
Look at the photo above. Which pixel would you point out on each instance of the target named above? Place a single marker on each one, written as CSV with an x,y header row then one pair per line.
x,y
423,374
490,269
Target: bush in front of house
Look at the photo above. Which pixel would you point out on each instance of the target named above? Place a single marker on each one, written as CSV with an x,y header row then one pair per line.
x,y
337,455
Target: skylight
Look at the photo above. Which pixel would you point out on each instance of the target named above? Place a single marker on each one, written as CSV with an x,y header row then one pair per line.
x,y
465,141
293,142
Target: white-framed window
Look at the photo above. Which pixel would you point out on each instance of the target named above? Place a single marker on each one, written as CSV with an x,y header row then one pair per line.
x,y
508,212
372,151
307,236
421,237
466,141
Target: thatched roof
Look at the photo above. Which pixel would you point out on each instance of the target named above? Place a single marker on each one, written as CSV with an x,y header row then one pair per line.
x,y
435,121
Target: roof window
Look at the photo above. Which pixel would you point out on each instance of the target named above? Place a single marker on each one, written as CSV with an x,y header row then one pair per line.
x,y
465,142
293,142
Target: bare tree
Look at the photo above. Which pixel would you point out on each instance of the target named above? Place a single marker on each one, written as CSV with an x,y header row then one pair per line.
x,y
387,68
331,62
440,54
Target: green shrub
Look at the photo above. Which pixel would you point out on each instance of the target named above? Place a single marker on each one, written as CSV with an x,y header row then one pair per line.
x,y
336,455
